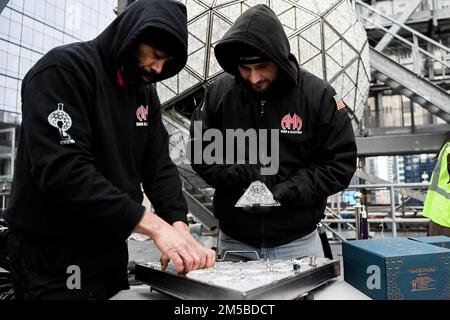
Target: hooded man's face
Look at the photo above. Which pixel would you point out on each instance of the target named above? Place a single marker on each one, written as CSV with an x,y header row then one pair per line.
x,y
151,62
259,76
143,65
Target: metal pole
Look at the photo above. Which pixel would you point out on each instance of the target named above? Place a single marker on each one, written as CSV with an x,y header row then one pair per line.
x,y
381,220
358,221
431,63
394,223
388,185
379,109
13,150
358,208
339,197
434,8
364,224
416,56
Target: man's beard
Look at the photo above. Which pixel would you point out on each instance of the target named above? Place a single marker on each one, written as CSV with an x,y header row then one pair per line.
x,y
260,88
152,76
132,75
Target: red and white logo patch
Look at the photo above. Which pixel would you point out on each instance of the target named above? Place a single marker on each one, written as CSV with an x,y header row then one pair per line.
x,y
292,124
142,116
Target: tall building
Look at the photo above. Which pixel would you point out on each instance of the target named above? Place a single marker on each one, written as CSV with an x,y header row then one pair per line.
x,y
390,111
28,30
418,168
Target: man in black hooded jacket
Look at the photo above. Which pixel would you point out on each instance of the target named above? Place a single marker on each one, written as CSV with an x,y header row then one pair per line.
x,y
91,136
264,89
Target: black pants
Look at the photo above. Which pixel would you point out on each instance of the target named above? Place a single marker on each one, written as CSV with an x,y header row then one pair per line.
x,y
44,270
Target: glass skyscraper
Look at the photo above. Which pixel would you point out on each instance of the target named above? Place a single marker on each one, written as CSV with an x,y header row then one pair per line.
x,y
28,30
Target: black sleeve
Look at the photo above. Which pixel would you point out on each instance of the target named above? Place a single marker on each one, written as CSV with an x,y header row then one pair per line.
x,y
161,181
333,162
207,116
67,174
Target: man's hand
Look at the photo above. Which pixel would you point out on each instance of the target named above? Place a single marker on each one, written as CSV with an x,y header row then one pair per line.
x,y
207,259
285,191
240,175
185,254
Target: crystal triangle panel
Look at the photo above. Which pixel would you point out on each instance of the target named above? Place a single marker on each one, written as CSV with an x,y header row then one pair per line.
x,y
257,195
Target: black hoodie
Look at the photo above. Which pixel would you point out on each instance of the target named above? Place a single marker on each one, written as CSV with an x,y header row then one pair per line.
x,y
84,182
317,144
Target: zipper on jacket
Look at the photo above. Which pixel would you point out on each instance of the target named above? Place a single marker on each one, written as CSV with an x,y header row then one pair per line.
x,y
263,106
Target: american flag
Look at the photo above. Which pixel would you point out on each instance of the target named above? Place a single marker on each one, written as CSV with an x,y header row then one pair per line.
x,y
339,103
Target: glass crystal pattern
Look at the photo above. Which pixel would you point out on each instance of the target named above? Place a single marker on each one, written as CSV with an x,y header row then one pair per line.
x,y
325,36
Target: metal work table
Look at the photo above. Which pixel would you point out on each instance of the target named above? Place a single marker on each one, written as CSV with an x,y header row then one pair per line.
x,y
334,290
143,251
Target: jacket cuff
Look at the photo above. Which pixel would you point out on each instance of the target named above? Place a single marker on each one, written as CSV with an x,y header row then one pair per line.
x,y
133,214
176,215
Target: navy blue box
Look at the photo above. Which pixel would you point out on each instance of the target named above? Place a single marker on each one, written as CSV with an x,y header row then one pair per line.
x,y
397,269
440,241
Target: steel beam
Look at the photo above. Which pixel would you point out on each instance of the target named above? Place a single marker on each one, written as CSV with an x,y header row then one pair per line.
x,y
199,211
425,93
384,42
403,144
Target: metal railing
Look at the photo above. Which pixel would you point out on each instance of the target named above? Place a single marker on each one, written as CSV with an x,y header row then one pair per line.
x,y
395,211
4,199
344,215
421,48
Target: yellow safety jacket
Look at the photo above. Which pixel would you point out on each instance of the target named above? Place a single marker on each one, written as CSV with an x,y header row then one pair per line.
x,y
437,203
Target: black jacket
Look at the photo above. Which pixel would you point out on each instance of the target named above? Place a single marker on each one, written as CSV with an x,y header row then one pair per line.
x,y
317,153
85,183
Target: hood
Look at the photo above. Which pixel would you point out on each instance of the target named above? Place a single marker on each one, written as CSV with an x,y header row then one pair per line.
x,y
169,16
260,29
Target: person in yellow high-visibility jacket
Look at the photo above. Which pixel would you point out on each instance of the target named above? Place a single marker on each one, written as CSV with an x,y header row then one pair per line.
x,y
437,203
